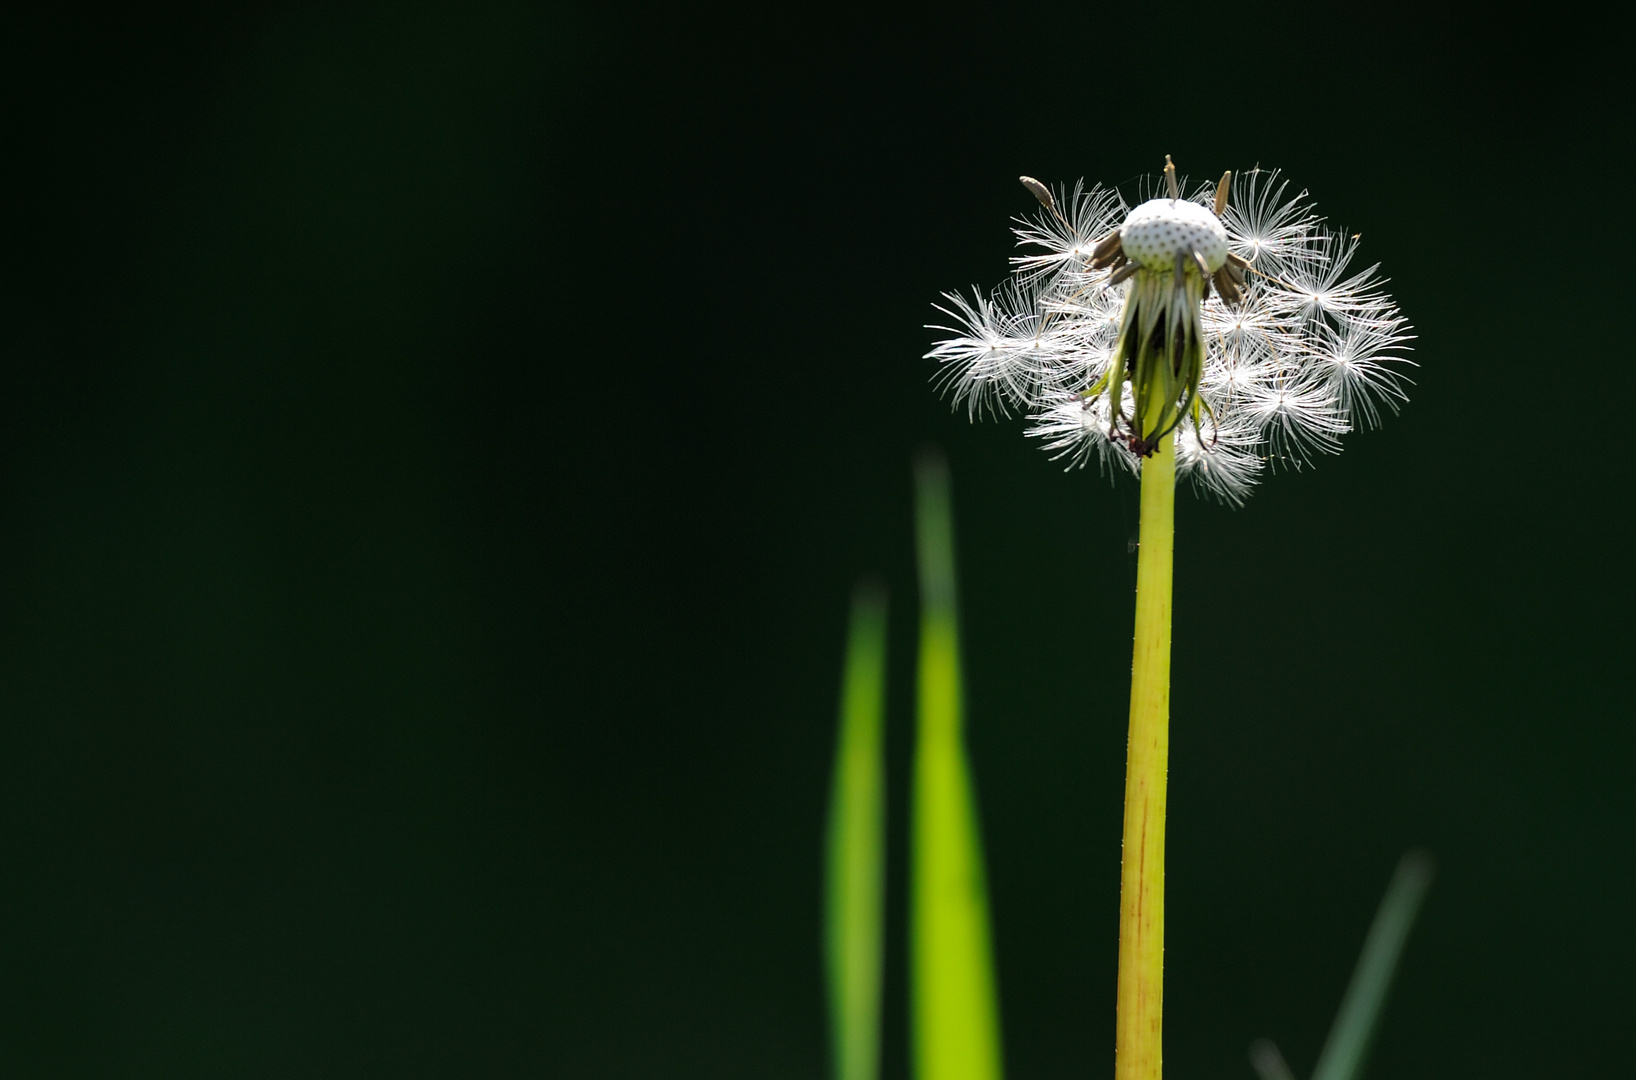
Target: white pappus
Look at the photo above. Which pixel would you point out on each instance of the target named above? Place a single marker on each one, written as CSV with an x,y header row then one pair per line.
x,y
1232,317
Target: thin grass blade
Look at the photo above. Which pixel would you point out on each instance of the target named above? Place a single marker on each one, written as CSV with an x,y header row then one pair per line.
x,y
854,912
1268,1061
1343,1053
956,1026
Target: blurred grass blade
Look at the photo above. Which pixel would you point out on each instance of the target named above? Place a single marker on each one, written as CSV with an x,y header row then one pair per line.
x,y
955,1016
1268,1062
1343,1054
856,856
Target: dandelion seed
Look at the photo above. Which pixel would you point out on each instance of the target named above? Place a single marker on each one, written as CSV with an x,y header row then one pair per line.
x,y
1231,317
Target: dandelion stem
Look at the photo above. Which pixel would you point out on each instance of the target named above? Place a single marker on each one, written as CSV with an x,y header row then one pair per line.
x,y
1142,876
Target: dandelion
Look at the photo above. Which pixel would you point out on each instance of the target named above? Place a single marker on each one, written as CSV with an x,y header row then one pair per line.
x,y
1212,337
1233,318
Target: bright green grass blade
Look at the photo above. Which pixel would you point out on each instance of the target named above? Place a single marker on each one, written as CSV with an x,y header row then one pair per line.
x,y
1343,1054
956,1025
856,855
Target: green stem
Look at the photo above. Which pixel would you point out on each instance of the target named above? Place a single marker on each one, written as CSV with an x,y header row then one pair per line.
x,y
1138,1052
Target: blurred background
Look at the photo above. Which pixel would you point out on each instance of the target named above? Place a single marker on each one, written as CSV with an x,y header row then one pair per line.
x,y
437,441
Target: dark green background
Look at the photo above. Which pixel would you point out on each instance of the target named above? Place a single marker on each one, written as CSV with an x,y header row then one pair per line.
x,y
437,441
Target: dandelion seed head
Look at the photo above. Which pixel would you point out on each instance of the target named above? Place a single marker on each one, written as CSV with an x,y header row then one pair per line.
x,y
1234,319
